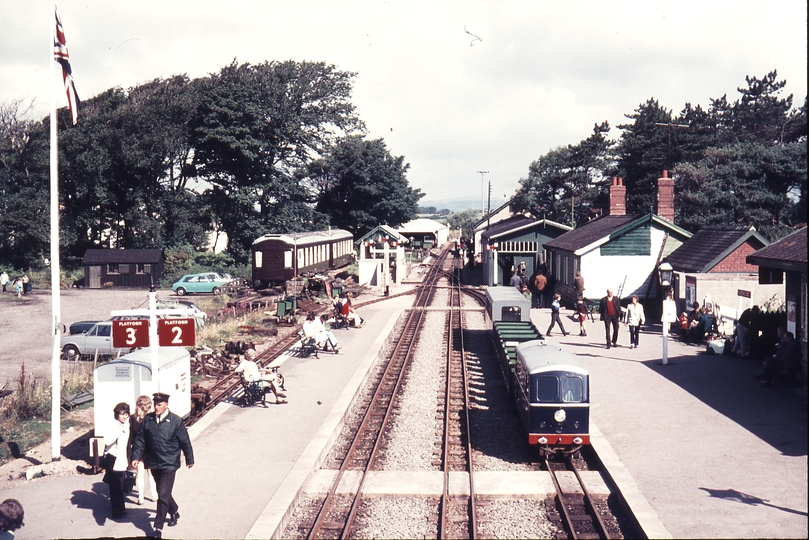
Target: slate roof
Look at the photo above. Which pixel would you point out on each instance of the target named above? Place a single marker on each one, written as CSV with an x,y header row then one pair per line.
x,y
104,256
517,223
590,232
710,245
789,253
384,229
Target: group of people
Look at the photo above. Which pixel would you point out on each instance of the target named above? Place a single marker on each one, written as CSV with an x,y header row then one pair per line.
x,y
148,444
19,286
698,323
612,313
787,357
319,329
345,307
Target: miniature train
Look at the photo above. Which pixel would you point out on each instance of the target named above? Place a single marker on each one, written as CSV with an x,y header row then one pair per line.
x,y
281,257
550,391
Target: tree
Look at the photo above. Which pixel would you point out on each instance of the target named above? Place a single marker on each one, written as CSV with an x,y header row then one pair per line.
x,y
565,184
743,184
24,188
464,220
367,186
255,127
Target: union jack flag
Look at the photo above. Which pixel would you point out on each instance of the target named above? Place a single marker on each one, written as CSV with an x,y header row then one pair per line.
x,y
61,55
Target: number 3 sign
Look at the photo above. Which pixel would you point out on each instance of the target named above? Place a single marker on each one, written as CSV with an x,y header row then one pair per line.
x,y
130,333
177,332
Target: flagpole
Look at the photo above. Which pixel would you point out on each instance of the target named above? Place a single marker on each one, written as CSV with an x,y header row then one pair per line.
x,y
56,379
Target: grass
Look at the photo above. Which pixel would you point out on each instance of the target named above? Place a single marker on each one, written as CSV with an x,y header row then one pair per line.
x,y
25,413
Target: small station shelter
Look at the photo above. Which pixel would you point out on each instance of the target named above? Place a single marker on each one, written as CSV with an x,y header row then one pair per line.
x,y
516,242
424,233
123,267
382,253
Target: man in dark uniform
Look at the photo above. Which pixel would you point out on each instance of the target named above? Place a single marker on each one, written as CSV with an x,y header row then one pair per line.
x,y
158,442
610,309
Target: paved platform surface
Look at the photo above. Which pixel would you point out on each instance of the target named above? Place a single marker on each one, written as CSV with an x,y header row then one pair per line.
x,y
698,446
713,453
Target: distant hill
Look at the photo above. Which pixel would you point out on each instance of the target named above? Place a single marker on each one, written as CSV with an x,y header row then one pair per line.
x,y
455,205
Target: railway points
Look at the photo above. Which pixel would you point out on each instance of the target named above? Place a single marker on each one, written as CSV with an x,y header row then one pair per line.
x,y
689,460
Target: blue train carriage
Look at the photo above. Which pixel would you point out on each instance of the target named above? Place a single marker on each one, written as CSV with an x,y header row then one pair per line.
x,y
509,314
552,398
278,258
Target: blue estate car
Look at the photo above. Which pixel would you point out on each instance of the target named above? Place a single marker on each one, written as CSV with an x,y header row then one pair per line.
x,y
208,282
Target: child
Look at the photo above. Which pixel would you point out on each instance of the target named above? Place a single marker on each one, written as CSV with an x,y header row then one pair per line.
x,y
581,308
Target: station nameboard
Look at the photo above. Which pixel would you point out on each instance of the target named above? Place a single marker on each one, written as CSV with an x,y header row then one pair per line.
x,y
177,332
130,333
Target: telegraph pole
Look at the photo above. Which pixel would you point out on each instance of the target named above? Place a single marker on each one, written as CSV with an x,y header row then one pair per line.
x,y
482,192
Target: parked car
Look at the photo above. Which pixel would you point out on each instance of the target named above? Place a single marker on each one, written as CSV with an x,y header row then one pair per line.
x,y
81,326
198,314
200,283
97,339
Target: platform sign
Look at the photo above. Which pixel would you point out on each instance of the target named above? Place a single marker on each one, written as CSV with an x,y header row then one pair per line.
x,y
177,332
130,333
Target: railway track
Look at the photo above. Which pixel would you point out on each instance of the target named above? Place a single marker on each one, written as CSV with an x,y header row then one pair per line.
x,y
457,512
337,514
583,516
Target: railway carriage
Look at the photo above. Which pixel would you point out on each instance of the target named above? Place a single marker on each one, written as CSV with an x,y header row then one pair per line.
x,y
509,314
281,257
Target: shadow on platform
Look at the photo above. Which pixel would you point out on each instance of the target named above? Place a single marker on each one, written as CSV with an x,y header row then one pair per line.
x,y
726,383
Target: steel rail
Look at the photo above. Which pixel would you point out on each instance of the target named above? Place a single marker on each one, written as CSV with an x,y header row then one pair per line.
x,y
383,398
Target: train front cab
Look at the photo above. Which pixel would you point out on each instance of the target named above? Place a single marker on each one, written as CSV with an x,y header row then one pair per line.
x,y
552,398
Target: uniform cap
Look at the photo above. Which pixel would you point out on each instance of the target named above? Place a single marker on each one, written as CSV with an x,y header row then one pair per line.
x,y
160,397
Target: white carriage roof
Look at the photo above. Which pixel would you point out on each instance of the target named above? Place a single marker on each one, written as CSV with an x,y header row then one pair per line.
x,y
547,358
307,237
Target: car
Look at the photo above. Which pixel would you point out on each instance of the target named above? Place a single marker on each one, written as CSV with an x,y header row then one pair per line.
x,y
199,283
198,314
81,326
97,339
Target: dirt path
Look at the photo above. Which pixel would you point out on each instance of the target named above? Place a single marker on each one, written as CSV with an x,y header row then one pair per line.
x,y
25,324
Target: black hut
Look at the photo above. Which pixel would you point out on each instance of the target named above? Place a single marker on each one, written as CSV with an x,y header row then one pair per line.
x,y
123,267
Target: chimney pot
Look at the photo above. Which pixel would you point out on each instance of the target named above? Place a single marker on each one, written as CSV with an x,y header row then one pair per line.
x,y
617,197
665,173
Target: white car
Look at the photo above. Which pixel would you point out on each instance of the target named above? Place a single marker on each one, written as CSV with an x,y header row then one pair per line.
x,y
97,339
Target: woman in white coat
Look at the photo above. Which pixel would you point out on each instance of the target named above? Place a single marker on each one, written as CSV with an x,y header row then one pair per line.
x,y
634,319
116,460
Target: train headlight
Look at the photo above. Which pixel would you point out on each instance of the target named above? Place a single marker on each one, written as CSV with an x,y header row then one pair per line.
x,y
577,440
560,415
542,440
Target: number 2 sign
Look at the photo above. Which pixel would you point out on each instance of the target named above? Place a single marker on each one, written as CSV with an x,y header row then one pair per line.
x,y
130,333
177,332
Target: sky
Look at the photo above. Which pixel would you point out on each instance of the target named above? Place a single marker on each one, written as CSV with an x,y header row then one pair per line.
x,y
456,87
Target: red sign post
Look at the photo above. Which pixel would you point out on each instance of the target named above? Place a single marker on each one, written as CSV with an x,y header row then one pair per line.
x,y
177,332
131,333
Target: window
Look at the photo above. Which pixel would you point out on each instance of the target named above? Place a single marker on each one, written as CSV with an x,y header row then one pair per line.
x,y
112,268
572,389
143,268
547,390
258,259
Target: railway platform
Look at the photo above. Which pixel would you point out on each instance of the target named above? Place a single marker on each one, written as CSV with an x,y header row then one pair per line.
x,y
699,448
250,462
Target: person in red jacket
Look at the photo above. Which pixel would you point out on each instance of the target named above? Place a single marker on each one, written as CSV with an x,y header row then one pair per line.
x,y
610,309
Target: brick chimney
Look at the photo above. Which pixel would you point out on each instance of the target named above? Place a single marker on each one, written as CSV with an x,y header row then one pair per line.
x,y
617,197
665,197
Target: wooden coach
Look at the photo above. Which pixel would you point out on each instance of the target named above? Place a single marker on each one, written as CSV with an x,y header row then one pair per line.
x,y
281,257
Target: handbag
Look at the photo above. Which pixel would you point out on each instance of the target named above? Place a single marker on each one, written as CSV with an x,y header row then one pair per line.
x,y
129,481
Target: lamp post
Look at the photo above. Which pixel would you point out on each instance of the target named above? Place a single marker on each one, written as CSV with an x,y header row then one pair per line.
x,y
665,272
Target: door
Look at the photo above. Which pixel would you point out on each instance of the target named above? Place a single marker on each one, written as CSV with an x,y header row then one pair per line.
x,y
94,279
